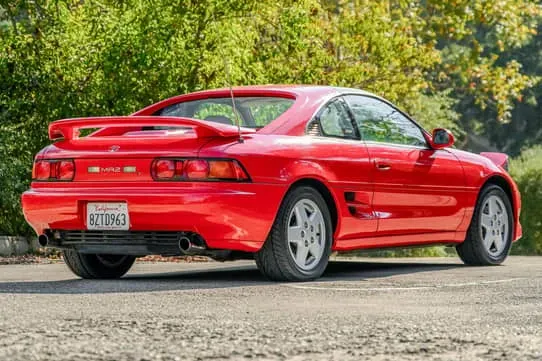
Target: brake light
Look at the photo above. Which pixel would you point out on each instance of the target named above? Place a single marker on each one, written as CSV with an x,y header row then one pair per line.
x,y
163,168
54,169
41,170
198,170
179,168
65,170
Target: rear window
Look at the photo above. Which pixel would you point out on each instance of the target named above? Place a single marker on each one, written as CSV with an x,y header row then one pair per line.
x,y
253,112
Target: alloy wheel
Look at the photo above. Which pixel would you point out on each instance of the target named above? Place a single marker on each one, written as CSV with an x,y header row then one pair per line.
x,y
306,234
494,225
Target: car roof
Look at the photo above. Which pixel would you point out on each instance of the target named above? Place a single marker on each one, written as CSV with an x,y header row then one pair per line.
x,y
293,88
309,98
315,92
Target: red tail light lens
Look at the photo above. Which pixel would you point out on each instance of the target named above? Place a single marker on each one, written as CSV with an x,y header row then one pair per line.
x,y
179,168
54,169
198,170
163,168
41,170
65,170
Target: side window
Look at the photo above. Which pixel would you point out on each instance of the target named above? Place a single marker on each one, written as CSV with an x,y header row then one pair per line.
x,y
380,122
335,120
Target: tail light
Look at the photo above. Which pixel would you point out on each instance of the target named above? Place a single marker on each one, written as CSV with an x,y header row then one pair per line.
x,y
53,170
197,169
166,169
222,169
41,170
65,170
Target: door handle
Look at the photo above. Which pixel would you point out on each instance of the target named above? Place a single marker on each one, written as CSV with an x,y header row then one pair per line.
x,y
382,165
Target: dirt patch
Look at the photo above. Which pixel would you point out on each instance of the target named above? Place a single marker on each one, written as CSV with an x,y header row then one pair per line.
x,y
188,259
47,257
30,259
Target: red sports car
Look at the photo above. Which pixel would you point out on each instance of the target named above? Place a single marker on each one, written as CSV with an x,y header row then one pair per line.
x,y
281,174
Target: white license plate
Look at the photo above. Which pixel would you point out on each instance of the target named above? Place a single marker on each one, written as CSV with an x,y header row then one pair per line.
x,y
107,216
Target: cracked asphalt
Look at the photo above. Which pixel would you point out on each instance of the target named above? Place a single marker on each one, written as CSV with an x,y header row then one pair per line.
x,y
362,309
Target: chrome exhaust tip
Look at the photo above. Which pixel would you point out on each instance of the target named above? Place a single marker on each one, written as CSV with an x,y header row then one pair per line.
x,y
43,240
185,244
188,247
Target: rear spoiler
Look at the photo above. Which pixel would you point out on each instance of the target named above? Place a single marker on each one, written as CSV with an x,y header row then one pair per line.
x,y
68,129
499,159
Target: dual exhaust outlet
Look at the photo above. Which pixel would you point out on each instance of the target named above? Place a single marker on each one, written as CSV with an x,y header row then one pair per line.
x,y
186,245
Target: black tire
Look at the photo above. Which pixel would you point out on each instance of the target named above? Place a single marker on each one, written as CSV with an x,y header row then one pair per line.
x,y
274,260
473,252
93,266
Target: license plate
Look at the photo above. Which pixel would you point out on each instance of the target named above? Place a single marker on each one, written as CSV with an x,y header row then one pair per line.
x,y
107,216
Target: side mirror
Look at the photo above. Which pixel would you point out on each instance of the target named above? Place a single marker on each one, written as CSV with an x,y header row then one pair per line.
x,y
442,138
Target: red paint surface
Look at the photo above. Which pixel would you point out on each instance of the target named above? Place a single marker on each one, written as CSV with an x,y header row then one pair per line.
x,y
401,195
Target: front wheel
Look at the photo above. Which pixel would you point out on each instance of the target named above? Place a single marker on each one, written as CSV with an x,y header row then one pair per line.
x,y
299,245
97,266
489,237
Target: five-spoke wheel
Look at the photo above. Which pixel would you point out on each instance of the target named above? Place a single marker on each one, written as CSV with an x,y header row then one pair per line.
x,y
494,225
490,234
299,244
306,234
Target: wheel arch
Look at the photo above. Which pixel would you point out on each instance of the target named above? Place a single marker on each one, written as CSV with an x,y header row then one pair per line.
x,y
473,250
511,190
506,187
324,191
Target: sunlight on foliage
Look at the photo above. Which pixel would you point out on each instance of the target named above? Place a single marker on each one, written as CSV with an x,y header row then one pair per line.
x,y
527,172
438,60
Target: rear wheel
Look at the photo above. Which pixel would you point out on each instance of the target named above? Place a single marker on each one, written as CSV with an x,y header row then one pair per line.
x,y
489,237
299,244
97,266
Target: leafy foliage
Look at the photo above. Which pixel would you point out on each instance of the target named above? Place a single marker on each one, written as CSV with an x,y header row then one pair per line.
x,y
447,62
527,171
434,251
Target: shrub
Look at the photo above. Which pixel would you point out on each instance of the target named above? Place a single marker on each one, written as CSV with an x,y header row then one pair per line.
x,y
433,251
14,179
527,172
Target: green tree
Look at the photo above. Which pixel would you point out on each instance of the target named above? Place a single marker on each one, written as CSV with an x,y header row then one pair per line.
x,y
479,44
442,61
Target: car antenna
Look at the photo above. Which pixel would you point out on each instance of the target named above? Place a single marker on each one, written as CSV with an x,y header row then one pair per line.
x,y
227,68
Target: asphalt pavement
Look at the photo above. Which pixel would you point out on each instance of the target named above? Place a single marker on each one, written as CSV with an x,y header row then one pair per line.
x,y
362,309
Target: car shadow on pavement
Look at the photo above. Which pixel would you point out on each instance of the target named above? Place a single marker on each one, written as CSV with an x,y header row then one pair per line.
x,y
216,278
357,270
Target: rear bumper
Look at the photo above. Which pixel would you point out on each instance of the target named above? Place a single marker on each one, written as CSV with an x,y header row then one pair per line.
x,y
233,216
134,243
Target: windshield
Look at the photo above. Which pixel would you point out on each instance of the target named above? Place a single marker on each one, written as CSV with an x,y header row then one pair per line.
x,y
253,112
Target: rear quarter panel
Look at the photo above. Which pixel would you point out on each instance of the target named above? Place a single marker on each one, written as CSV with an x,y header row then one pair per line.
x,y
341,165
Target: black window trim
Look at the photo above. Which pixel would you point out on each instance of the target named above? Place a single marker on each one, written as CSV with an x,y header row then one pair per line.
x,y
424,132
